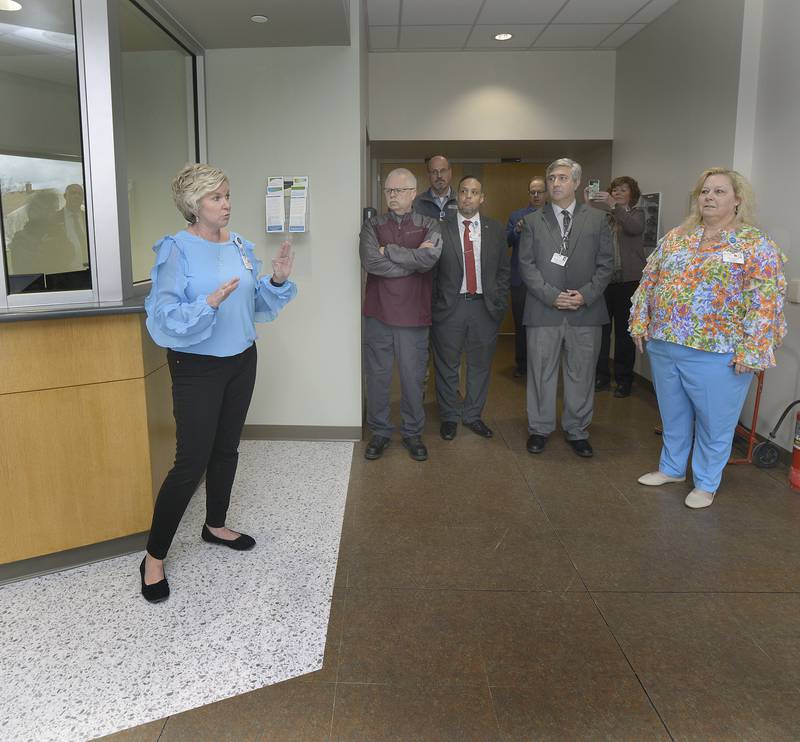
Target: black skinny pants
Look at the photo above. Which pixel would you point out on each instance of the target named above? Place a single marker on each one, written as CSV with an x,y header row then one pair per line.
x,y
618,300
210,397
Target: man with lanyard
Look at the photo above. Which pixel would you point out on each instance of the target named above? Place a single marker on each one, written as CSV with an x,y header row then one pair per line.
x,y
566,260
439,201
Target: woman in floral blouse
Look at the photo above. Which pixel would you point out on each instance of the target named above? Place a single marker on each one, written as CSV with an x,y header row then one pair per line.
x,y
710,307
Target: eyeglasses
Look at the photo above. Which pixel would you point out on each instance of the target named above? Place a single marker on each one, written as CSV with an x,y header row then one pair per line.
x,y
537,193
397,191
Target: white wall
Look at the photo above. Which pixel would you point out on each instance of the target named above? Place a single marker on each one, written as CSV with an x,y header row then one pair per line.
x,y
451,96
776,164
676,99
297,111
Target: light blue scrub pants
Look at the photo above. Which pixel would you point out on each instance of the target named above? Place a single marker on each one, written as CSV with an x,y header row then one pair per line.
x,y
698,393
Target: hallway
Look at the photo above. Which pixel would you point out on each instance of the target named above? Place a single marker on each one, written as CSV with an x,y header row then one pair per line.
x,y
488,594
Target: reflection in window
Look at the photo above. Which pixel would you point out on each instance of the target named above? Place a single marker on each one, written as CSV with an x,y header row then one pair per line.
x,y
44,228
157,80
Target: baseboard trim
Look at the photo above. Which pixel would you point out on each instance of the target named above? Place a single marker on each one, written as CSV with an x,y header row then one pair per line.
x,y
43,565
301,433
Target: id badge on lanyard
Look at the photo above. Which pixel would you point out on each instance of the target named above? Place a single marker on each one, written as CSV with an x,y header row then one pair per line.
x,y
242,253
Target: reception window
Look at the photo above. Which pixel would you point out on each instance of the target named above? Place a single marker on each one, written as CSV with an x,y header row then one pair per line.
x,y
158,83
43,225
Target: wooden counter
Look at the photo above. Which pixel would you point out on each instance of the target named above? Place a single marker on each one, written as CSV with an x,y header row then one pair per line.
x,y
86,432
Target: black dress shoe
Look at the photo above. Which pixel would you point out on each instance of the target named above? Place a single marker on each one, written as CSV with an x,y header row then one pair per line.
x,y
376,446
582,448
623,390
480,428
602,385
536,443
242,543
416,448
156,592
448,430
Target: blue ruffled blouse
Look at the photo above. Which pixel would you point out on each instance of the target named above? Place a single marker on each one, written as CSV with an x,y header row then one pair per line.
x,y
187,270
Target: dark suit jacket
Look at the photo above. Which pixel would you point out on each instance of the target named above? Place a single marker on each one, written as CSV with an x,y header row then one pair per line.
x,y
449,273
589,266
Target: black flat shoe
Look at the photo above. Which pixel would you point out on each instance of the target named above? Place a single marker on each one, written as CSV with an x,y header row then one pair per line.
x,y
156,592
243,543
602,385
448,430
622,391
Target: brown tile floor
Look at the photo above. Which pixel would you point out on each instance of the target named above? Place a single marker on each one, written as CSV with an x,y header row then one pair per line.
x,y
488,594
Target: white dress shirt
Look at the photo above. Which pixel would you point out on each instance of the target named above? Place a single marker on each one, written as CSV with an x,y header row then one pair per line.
x,y
475,234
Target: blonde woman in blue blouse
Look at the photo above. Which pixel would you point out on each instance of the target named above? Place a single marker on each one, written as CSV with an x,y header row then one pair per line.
x,y
205,299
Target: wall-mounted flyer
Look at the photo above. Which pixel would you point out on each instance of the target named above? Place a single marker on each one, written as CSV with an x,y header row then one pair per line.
x,y
298,203
276,210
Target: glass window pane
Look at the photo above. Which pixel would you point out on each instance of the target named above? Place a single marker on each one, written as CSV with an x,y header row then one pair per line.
x,y
157,84
44,228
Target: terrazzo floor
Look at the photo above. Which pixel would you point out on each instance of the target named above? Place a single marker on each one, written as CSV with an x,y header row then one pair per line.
x,y
83,655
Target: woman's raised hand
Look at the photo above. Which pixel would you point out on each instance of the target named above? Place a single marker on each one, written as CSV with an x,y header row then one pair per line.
x,y
222,293
282,264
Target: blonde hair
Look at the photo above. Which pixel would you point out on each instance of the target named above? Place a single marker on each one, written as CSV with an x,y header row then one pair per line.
x,y
194,181
745,211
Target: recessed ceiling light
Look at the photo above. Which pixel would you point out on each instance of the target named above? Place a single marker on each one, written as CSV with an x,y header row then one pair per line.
x,y
9,5
503,36
259,18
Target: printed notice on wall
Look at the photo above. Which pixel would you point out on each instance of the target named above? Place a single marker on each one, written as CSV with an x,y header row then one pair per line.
x,y
298,203
276,211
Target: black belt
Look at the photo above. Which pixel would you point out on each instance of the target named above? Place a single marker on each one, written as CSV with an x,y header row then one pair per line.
x,y
470,297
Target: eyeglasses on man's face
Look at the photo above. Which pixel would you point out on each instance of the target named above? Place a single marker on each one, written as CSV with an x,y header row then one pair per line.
x,y
437,173
397,191
537,193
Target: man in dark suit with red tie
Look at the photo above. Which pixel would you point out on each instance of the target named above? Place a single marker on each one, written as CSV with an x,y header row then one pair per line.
x,y
470,297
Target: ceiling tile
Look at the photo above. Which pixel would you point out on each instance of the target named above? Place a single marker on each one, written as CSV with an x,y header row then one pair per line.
x,y
624,33
482,37
575,36
439,12
383,12
593,11
519,11
382,37
433,37
652,10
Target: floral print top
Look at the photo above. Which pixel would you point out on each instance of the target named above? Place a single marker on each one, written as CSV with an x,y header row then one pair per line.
x,y
722,297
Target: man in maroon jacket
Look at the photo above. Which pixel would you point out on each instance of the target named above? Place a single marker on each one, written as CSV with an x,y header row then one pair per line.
x,y
398,250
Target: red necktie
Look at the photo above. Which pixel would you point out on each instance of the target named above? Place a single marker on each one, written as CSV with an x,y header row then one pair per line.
x,y
469,260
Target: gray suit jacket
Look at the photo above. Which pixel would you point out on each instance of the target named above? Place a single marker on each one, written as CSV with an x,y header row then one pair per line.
x,y
589,266
495,270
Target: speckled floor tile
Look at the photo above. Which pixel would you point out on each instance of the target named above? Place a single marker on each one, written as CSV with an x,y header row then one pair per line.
x,y
84,655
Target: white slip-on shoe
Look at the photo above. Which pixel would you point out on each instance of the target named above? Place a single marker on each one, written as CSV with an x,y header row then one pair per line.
x,y
698,499
655,478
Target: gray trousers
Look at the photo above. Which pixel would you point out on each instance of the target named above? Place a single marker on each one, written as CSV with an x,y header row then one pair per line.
x,y
470,328
383,344
581,346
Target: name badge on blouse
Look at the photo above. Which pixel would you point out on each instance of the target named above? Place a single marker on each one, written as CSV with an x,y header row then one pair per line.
x,y
730,256
243,255
559,259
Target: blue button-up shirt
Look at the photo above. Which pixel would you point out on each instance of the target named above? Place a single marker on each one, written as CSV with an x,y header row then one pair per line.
x,y
188,269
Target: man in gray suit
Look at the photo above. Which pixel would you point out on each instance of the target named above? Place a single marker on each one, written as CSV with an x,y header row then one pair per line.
x,y
470,297
566,259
